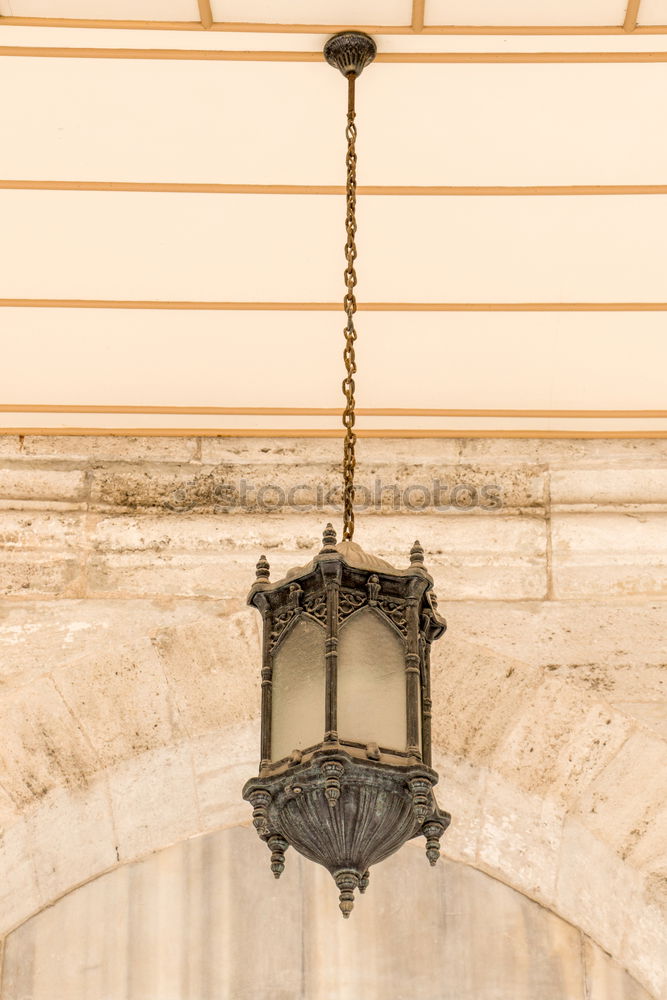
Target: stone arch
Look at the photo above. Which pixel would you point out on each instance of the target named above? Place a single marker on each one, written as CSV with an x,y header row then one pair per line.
x,y
191,921
126,746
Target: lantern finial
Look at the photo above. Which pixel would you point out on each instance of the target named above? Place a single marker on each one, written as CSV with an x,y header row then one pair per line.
x,y
416,555
347,880
329,538
262,570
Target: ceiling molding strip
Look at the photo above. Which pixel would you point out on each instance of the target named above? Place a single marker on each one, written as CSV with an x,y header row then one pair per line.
x,y
333,306
397,190
418,14
270,432
311,29
207,55
631,15
330,411
205,13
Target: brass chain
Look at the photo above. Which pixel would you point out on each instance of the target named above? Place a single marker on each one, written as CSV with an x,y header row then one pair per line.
x,y
350,306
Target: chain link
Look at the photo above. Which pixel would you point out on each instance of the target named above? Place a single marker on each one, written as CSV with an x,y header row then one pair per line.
x,y
350,306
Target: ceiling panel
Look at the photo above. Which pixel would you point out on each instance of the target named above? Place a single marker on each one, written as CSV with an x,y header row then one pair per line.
x,y
208,122
566,12
289,248
274,123
437,360
344,12
281,123
151,10
653,12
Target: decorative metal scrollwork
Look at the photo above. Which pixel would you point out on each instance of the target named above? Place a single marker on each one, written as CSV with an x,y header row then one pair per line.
x,y
279,626
316,607
395,612
282,621
349,601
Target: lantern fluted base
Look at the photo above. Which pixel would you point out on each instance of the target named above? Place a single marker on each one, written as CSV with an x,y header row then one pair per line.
x,y
346,814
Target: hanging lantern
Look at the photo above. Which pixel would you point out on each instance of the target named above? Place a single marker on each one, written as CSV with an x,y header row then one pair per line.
x,y
345,773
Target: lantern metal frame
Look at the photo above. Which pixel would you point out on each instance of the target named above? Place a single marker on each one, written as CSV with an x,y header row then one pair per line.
x,y
344,804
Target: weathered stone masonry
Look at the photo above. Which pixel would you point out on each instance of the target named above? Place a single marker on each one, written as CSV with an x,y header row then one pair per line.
x,y
128,660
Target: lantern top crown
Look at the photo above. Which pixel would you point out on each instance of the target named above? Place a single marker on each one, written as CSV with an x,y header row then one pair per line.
x,y
349,563
352,555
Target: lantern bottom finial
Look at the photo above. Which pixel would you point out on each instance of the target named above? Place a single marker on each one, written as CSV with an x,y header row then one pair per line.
x,y
347,880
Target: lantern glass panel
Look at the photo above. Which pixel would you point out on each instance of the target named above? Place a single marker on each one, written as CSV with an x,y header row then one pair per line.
x,y
371,682
297,717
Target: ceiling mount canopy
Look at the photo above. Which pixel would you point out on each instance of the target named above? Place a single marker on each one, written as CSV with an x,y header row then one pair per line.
x,y
350,52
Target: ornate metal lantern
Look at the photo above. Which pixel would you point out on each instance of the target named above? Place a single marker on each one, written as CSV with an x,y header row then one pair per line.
x,y
345,774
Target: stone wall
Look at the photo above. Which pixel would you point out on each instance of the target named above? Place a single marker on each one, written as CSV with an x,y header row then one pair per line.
x,y
206,920
129,663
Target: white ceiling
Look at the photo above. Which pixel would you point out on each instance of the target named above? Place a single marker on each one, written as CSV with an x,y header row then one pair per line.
x,y
268,120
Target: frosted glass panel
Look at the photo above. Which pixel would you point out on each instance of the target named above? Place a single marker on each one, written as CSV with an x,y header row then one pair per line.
x,y
297,719
371,682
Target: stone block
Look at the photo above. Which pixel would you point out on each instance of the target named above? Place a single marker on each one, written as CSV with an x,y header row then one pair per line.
x,y
121,700
460,792
651,714
500,450
39,553
609,555
19,481
477,695
596,890
314,486
19,895
624,804
72,838
223,761
617,486
559,740
153,801
614,647
219,790
198,555
295,451
212,667
186,575
84,448
59,632
40,531
42,745
29,574
10,445
605,979
9,812
520,837
601,452
645,944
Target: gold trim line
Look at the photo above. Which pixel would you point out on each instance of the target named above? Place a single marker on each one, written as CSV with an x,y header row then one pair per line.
x,y
263,27
326,411
208,55
269,432
403,190
204,306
